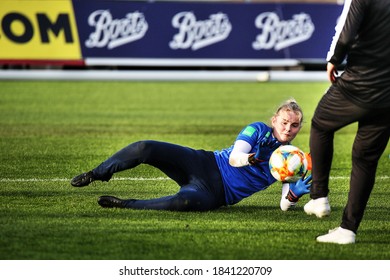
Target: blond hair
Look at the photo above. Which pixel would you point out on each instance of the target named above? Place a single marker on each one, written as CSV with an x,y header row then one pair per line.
x,y
290,105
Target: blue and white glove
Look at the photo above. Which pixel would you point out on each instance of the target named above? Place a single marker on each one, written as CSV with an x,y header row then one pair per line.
x,y
299,188
266,146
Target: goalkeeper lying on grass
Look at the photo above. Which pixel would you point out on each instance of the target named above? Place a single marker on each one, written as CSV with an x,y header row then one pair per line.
x,y
209,180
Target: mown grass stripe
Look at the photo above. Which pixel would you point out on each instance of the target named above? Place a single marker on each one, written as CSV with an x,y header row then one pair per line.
x,y
137,179
67,179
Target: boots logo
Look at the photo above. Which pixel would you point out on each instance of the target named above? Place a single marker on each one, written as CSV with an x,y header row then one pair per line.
x,y
197,34
112,33
278,34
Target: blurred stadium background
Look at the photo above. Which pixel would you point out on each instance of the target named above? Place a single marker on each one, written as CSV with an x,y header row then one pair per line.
x,y
242,40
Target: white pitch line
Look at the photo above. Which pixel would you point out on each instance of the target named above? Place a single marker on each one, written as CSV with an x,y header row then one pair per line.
x,y
5,180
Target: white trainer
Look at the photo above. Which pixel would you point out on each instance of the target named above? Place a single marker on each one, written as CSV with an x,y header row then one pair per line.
x,y
338,235
319,207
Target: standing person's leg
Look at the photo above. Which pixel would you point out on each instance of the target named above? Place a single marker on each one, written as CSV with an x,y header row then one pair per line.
x,y
370,142
333,112
321,151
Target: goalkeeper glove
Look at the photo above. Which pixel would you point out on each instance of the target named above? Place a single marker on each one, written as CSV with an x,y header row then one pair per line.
x,y
264,150
299,188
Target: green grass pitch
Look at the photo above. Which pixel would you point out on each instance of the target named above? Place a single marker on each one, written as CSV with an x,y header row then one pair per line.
x,y
52,131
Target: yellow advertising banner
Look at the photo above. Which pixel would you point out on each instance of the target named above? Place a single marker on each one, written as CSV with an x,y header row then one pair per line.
x,y
38,30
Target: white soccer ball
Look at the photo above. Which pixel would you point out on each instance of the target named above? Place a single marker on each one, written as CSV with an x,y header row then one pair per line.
x,y
288,164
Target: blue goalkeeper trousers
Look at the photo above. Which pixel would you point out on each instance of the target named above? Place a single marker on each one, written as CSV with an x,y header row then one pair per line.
x,y
195,171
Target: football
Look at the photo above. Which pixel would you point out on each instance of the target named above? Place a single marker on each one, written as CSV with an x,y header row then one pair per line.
x,y
288,164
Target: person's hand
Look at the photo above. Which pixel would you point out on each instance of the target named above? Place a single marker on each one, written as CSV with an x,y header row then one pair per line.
x,y
332,72
266,146
299,188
